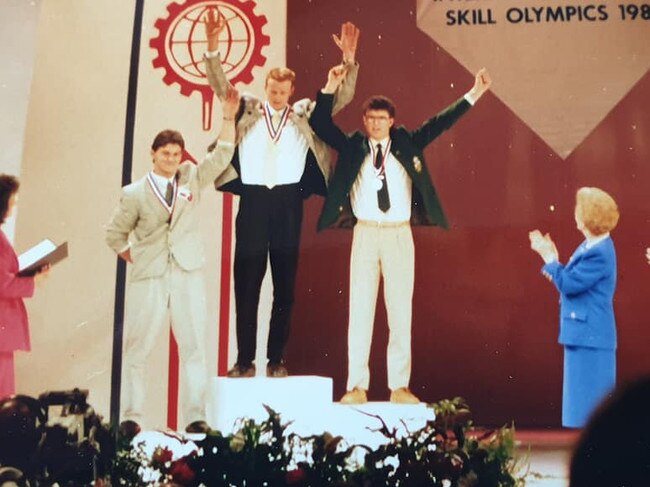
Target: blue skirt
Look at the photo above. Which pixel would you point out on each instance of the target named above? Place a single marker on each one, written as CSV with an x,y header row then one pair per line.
x,y
589,378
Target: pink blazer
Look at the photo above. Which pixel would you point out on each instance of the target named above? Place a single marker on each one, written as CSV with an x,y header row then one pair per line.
x,y
14,327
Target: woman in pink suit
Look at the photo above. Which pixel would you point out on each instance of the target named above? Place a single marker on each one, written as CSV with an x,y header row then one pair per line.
x,y
14,327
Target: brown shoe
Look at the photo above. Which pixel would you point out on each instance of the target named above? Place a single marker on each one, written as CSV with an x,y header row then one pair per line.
x,y
276,370
239,371
355,396
403,396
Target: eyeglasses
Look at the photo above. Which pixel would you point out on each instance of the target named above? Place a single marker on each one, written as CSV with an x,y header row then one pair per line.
x,y
373,118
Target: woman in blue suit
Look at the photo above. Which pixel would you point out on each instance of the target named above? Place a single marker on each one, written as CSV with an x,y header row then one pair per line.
x,y
586,285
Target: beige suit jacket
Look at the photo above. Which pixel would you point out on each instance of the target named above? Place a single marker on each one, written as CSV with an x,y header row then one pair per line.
x,y
142,222
252,111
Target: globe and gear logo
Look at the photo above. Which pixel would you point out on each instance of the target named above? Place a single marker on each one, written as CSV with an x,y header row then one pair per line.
x,y
181,42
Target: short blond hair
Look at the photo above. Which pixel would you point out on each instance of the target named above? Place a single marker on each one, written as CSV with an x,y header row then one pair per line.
x,y
597,210
281,74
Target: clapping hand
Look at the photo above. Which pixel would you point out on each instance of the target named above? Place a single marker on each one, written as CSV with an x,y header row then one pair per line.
x,y
543,245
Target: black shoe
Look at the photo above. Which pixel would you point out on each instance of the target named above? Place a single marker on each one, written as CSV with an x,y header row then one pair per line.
x,y
198,427
128,429
276,370
239,371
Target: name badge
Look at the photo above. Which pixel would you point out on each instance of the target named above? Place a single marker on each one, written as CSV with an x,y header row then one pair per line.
x,y
185,193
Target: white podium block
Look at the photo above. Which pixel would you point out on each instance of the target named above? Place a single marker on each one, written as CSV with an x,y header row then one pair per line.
x,y
291,396
361,423
306,403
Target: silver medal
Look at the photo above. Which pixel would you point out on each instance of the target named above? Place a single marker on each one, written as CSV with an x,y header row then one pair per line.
x,y
379,182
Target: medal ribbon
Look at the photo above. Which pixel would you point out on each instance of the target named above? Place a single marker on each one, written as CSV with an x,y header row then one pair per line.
x,y
273,133
382,169
160,196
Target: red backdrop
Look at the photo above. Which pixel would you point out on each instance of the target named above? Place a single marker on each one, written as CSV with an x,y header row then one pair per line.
x,y
485,321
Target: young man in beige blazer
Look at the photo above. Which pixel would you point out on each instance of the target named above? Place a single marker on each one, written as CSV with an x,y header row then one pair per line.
x,y
155,228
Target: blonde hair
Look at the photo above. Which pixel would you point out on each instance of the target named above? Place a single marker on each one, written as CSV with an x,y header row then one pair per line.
x,y
281,74
597,210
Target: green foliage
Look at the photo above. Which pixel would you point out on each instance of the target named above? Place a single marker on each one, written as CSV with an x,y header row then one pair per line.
x,y
254,456
126,467
448,451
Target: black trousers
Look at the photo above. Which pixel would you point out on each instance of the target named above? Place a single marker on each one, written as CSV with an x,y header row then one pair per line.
x,y
268,225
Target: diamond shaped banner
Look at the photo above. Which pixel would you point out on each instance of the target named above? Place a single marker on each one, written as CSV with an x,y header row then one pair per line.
x,y
561,67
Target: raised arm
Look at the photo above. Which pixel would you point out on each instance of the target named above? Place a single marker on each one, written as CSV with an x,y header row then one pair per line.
x,y
347,43
214,25
321,118
218,159
436,125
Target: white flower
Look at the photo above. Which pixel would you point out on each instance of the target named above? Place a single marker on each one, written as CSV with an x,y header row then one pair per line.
x,y
392,461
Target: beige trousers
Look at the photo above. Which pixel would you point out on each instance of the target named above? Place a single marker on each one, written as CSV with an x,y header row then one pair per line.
x,y
386,250
177,297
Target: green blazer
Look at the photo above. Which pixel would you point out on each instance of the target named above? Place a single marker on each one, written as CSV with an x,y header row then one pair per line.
x,y
406,146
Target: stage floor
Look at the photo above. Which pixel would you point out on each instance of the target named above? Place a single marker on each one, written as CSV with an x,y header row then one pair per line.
x,y
549,455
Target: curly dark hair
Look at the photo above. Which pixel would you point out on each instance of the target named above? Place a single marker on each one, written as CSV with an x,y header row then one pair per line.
x,y
8,186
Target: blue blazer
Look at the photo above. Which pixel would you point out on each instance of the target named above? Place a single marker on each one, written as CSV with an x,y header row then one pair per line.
x,y
586,285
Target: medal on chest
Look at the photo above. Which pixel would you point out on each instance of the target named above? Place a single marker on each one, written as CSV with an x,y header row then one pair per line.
x,y
379,168
378,182
275,129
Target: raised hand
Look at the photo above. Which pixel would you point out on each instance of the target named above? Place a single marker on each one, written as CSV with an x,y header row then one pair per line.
x,y
230,103
482,82
214,24
335,77
347,43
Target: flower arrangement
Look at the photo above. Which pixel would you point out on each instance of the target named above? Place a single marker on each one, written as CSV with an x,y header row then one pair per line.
x,y
448,451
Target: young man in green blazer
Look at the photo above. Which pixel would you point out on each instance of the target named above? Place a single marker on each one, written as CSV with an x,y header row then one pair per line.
x,y
381,186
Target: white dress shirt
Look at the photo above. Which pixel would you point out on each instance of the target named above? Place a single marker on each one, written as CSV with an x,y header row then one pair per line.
x,y
268,163
364,190
161,182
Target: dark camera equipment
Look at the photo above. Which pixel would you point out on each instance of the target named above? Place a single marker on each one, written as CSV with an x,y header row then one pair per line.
x,y
70,448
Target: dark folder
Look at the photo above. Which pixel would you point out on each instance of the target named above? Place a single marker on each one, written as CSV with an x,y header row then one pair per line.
x,y
42,254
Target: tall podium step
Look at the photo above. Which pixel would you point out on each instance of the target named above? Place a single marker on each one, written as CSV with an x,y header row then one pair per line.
x,y
232,399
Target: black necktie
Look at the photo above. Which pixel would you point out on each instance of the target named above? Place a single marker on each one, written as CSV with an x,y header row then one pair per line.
x,y
383,200
169,194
